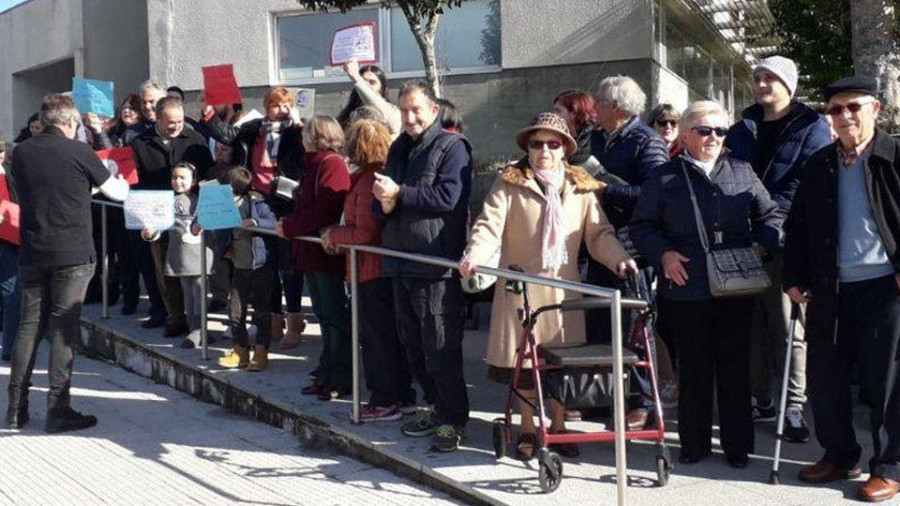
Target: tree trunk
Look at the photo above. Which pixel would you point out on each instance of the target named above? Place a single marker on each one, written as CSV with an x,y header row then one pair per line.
x,y
425,37
876,52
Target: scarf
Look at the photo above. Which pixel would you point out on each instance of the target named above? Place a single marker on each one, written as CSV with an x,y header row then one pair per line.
x,y
272,131
553,242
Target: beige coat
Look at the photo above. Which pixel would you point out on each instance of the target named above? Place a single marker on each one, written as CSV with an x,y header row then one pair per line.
x,y
511,221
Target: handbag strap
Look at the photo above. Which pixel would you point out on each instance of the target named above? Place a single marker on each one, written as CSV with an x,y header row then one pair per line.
x,y
701,228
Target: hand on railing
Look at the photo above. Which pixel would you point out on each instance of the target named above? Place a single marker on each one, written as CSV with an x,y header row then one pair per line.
x,y
467,267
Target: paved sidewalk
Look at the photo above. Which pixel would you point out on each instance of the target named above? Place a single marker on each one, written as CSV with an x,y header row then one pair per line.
x,y
154,445
588,479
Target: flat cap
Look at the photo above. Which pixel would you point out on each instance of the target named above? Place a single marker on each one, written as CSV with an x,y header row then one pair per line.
x,y
856,84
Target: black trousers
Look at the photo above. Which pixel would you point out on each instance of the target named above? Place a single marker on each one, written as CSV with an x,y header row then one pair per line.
x,y
251,286
138,263
51,305
115,221
384,358
713,341
430,324
868,332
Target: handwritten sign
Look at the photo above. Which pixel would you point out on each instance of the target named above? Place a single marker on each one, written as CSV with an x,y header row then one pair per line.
x,y
150,209
120,161
9,222
354,42
220,85
216,209
93,96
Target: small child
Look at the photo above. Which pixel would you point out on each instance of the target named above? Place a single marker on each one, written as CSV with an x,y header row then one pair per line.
x,y
183,253
253,275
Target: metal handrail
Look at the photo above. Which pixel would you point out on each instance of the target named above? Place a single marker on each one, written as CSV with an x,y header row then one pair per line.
x,y
616,304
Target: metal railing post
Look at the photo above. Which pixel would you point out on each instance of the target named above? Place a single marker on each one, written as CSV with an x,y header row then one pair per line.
x,y
619,399
203,279
104,263
354,336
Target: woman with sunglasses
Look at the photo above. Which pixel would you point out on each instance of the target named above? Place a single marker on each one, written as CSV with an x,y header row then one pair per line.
x,y
540,203
664,119
712,335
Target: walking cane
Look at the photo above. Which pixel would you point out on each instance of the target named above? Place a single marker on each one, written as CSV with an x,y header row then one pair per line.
x,y
775,478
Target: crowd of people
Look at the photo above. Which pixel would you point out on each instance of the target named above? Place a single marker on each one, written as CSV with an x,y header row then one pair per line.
x,y
598,195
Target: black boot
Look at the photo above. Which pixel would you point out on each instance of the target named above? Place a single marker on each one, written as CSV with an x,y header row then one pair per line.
x,y
17,412
67,419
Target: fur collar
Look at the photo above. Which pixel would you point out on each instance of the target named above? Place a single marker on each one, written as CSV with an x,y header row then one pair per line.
x,y
519,174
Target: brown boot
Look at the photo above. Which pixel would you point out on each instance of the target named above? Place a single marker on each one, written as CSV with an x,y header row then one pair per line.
x,y
260,360
277,328
294,335
237,358
877,489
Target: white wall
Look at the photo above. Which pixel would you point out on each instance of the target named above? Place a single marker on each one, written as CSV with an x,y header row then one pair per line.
x,y
34,35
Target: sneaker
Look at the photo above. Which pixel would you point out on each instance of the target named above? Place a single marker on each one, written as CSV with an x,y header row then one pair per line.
x,y
795,429
408,408
424,424
67,419
763,412
370,413
446,438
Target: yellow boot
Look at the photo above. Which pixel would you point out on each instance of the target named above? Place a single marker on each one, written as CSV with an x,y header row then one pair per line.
x,y
260,360
237,358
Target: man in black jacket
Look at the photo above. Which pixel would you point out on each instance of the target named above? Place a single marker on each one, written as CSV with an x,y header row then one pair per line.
x,y
424,199
155,153
55,177
842,258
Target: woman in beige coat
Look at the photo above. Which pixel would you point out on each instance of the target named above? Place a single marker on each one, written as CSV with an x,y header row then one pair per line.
x,y
537,214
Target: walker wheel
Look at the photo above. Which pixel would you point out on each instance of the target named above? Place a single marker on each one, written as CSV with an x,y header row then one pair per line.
x,y
499,439
549,471
662,471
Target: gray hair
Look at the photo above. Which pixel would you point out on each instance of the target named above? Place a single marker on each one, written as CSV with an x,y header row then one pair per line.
x,y
58,109
367,112
149,85
624,92
701,108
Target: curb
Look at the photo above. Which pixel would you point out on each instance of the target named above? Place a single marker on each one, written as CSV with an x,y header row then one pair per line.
x,y
105,344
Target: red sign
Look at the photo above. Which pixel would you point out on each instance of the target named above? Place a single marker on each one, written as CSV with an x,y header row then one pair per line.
x,y
220,85
120,161
9,222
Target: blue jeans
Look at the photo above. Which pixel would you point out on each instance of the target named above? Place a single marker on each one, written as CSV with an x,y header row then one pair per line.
x,y
10,296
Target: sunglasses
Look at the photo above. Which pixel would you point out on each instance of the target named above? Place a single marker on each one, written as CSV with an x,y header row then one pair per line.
x,y
666,122
706,131
853,107
540,144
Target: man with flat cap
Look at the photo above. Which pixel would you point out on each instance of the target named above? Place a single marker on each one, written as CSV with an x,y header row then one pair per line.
x,y
842,258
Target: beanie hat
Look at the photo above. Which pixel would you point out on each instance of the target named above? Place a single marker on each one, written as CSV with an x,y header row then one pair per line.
x,y
784,68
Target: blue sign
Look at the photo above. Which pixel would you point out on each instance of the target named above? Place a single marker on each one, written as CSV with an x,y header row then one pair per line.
x,y
93,96
216,209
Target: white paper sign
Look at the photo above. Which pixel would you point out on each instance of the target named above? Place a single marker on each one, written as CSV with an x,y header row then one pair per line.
x,y
150,209
355,42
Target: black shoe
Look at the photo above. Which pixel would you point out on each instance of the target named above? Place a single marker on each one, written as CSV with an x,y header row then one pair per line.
x,y
795,429
691,457
763,412
17,416
176,330
738,461
154,322
216,305
446,438
67,419
128,310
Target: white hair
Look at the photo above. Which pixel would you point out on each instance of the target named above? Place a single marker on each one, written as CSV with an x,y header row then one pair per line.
x,y
151,85
691,116
624,92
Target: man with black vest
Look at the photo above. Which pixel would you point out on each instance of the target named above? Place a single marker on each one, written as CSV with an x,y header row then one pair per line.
x,y
842,259
424,199
55,177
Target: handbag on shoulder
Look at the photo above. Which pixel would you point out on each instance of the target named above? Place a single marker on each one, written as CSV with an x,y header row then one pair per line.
x,y
283,188
732,272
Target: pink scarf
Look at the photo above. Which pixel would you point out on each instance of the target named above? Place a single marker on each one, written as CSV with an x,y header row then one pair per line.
x,y
553,243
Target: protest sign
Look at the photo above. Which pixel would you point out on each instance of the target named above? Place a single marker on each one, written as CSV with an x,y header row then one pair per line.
x,y
120,161
354,42
306,101
216,209
93,96
9,222
220,86
150,209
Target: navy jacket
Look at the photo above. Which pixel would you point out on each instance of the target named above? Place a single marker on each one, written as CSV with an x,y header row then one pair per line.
x,y
634,151
265,219
435,174
732,201
804,134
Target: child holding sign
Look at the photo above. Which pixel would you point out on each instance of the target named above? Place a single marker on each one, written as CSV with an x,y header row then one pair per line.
x,y
183,254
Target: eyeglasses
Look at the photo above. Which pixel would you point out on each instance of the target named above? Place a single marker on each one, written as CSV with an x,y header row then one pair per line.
x,y
540,144
706,131
853,107
666,122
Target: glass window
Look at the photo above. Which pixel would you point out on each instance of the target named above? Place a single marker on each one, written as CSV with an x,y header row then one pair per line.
x,y
696,73
674,50
468,36
304,42
722,85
